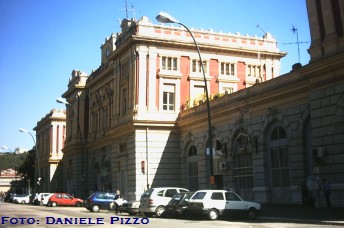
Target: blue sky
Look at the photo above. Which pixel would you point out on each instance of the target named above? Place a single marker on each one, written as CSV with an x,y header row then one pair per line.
x,y
42,41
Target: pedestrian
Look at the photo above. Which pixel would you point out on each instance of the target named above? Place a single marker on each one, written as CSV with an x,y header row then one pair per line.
x,y
304,192
311,191
327,190
118,201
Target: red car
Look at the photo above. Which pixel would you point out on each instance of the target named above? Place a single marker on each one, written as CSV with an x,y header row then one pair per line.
x,y
64,199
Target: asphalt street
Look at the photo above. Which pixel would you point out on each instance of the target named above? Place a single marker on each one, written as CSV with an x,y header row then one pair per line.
x,y
333,216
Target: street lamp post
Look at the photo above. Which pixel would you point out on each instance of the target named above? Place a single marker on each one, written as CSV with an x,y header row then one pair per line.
x,y
63,101
166,18
37,154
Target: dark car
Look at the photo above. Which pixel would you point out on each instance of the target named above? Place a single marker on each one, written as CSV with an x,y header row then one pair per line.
x,y
178,204
100,200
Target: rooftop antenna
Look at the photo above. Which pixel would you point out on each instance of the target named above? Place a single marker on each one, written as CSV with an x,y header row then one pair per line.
x,y
258,26
295,31
126,9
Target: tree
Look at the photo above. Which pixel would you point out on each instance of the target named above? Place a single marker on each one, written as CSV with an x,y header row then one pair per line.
x,y
11,160
27,169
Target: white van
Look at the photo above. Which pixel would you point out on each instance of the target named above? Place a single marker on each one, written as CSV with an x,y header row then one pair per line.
x,y
42,198
154,200
213,203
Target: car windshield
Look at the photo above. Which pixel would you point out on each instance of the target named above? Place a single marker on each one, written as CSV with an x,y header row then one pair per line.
x,y
90,197
177,198
199,195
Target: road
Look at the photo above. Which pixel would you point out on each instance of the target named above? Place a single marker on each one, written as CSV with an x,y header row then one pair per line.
x,y
16,215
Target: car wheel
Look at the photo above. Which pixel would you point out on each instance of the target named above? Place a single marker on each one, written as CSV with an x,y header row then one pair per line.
x,y
53,204
160,211
213,214
78,204
95,208
252,213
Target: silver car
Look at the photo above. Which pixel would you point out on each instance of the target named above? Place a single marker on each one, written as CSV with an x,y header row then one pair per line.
x,y
154,200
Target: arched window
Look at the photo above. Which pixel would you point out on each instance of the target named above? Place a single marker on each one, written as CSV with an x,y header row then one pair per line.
x,y
192,160
242,165
279,157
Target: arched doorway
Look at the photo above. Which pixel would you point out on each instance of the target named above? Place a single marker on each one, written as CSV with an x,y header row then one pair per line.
x,y
278,155
242,165
192,164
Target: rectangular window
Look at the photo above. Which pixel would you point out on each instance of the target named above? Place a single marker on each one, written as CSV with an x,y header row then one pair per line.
x,y
228,90
169,63
174,64
227,69
163,63
106,118
168,97
232,69
197,67
124,101
194,63
254,71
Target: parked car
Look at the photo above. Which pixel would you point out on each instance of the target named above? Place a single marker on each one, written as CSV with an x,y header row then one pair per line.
x,y
100,200
64,199
154,200
132,207
9,197
214,203
22,198
42,198
177,205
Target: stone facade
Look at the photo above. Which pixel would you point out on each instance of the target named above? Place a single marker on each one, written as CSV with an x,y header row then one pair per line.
x,y
127,108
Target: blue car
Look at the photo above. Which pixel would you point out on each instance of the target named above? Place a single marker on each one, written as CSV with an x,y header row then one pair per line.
x,y
100,201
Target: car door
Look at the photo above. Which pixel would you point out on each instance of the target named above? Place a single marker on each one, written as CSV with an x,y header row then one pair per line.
x,y
234,202
57,198
101,199
67,200
45,197
217,200
108,199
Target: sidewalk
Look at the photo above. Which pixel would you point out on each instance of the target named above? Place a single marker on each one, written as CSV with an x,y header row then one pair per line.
x,y
300,213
